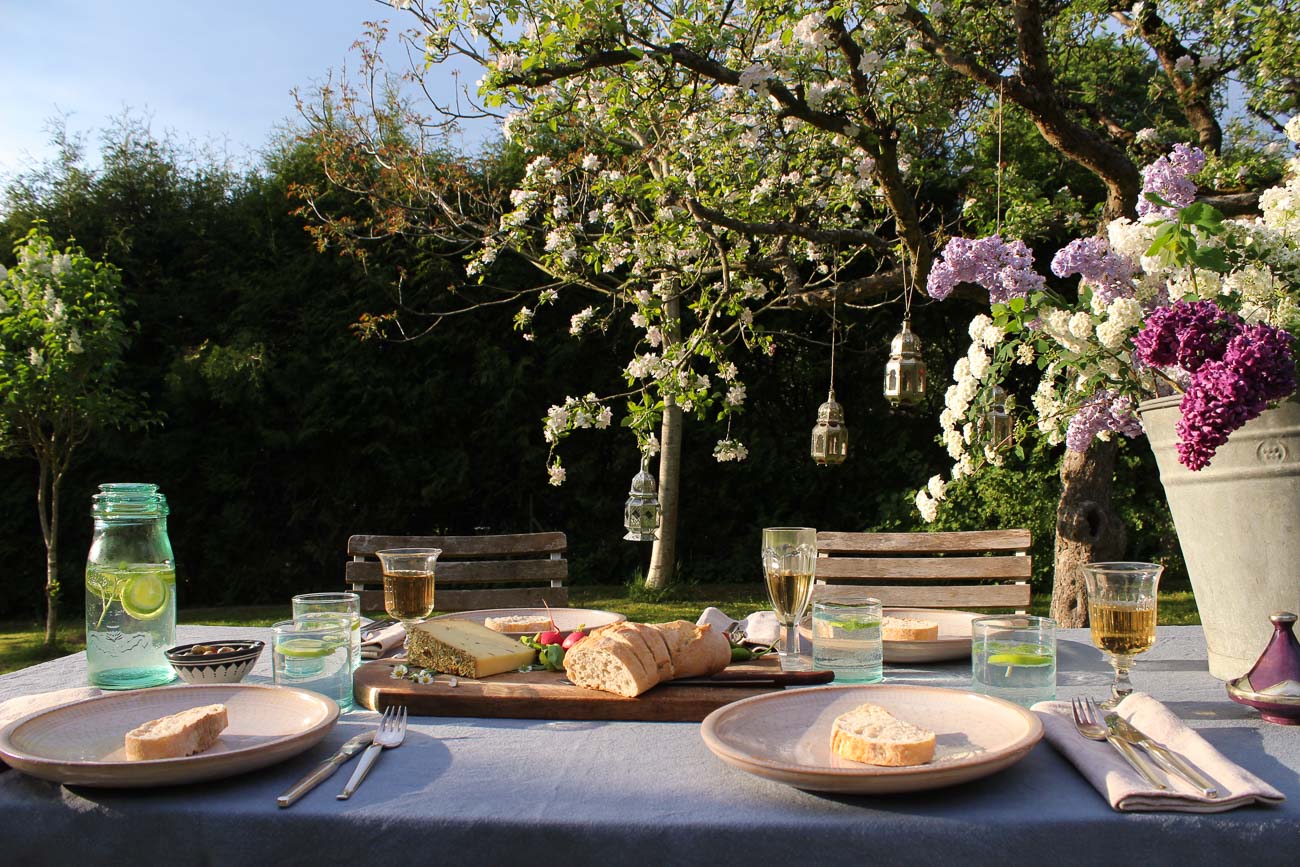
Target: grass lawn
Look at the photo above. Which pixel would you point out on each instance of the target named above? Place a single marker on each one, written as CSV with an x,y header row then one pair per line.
x,y
21,643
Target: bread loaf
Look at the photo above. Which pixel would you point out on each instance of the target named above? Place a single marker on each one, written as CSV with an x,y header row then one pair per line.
x,y
872,735
908,629
181,734
630,658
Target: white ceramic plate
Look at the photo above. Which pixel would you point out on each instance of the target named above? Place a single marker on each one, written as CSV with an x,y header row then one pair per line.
x,y
566,619
83,744
953,641
786,737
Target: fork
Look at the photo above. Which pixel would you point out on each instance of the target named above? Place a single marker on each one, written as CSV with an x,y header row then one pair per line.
x,y
391,732
1088,720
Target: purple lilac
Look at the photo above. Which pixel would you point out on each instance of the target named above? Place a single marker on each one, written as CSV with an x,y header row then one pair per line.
x,y
1105,410
1170,178
1109,273
1186,334
1004,269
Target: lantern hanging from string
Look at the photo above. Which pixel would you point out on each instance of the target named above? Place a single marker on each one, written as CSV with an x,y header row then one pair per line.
x,y
998,419
905,370
641,512
830,436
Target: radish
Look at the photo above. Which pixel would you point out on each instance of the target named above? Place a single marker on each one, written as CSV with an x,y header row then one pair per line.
x,y
551,636
574,637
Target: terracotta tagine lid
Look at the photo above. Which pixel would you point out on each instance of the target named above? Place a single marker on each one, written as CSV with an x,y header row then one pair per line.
x,y
1272,686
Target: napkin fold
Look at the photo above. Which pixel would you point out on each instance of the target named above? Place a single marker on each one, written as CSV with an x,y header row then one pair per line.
x,y
21,706
383,642
1103,766
761,627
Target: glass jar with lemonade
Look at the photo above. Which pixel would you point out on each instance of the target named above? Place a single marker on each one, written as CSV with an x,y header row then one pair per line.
x,y
130,589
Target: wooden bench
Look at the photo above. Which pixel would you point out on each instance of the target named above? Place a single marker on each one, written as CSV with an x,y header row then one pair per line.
x,y
934,564
469,568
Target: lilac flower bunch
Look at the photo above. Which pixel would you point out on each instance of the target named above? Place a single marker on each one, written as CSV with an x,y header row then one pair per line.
x,y
1181,300
1170,178
1236,371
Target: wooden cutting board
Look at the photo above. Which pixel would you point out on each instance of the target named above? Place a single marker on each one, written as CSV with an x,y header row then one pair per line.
x,y
543,695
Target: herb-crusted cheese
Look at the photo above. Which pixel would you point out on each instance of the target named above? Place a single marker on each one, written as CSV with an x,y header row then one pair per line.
x,y
465,648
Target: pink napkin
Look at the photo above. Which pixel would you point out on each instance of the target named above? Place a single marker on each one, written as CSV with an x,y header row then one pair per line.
x,y
1103,766
384,642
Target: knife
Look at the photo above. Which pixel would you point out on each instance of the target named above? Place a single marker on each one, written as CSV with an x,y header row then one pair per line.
x,y
1169,760
326,769
757,678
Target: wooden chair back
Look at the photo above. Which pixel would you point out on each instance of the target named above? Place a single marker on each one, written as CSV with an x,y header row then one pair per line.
x,y
933,565
509,571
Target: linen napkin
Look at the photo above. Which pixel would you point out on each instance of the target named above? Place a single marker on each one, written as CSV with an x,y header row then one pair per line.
x,y
21,706
383,642
761,627
1103,766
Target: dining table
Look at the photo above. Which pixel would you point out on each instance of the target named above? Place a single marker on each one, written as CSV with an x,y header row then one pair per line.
x,y
469,791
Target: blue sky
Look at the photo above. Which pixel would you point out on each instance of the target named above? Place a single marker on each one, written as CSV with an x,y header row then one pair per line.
x,y
219,72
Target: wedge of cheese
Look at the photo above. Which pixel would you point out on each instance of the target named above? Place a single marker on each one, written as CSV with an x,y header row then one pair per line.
x,y
464,648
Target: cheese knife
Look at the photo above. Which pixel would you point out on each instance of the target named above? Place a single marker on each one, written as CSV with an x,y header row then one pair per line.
x,y
326,769
1170,761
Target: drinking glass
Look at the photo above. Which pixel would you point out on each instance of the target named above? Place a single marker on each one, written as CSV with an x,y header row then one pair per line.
x,y
789,566
1013,656
348,604
408,584
1122,611
846,635
315,652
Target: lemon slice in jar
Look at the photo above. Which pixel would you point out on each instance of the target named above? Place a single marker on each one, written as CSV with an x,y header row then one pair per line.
x,y
1022,659
145,596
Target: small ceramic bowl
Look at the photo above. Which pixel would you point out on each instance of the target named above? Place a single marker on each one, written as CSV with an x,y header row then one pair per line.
x,y
208,668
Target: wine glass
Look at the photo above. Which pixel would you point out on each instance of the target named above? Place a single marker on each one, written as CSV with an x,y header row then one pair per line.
x,y
408,584
789,566
1122,612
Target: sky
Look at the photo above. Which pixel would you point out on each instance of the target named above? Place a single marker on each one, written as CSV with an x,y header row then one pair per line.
x,y
218,73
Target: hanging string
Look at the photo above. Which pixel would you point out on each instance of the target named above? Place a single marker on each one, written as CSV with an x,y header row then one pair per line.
x,y
834,322
907,289
998,213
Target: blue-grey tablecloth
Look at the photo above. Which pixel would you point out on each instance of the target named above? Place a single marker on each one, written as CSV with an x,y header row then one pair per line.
x,y
505,792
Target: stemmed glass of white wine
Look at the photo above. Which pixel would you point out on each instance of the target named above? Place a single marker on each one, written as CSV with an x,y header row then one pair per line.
x,y
1122,614
789,566
408,584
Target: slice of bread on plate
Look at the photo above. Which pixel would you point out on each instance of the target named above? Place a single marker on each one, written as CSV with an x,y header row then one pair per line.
x,y
871,735
908,629
181,734
515,624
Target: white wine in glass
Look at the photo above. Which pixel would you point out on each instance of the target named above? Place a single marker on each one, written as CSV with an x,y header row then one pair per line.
x,y
789,567
1122,616
408,584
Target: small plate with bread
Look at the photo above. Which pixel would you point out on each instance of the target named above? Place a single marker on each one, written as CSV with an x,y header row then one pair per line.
x,y
169,736
876,739
527,621
921,634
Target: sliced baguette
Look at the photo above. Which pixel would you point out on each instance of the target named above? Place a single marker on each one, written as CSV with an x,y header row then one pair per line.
x,y
654,640
696,651
181,734
908,629
871,735
641,660
601,662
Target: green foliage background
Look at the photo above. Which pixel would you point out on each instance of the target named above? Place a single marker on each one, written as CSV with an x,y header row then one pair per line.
x,y
281,433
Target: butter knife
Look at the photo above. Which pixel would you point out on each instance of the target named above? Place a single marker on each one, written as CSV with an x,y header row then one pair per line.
x,y
1169,760
326,769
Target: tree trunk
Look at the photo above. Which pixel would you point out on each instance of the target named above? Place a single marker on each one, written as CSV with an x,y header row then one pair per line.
x,y
47,505
1087,528
663,556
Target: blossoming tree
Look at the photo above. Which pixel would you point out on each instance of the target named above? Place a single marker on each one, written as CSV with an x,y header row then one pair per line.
x,y
697,165
61,342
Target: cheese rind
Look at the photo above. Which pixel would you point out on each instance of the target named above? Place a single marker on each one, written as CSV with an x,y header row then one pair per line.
x,y
465,648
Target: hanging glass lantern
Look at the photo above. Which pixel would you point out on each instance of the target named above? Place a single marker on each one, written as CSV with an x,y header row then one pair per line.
x,y
905,370
998,419
830,437
641,513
